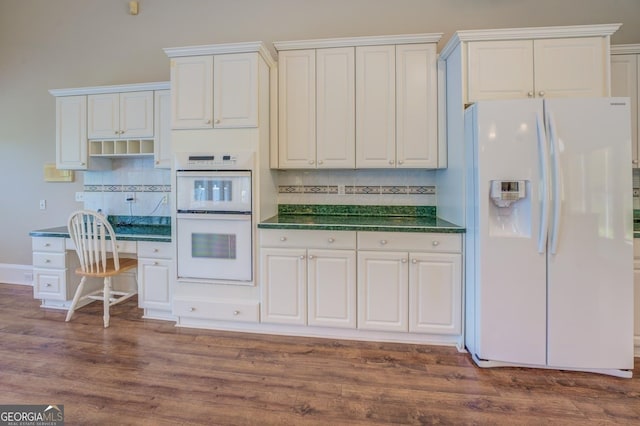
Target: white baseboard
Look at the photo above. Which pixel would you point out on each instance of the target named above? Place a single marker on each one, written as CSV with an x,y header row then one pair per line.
x,y
16,274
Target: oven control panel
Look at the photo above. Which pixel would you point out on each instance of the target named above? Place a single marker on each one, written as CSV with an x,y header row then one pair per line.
x,y
214,161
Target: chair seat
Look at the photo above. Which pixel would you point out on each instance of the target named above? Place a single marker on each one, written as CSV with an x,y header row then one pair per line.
x,y
125,264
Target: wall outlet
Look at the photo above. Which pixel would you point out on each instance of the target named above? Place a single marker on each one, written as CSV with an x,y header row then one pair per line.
x,y
80,196
130,198
165,199
43,204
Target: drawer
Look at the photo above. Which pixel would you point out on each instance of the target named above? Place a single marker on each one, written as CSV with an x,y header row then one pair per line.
x,y
122,246
225,310
408,241
49,284
155,250
48,244
49,260
307,239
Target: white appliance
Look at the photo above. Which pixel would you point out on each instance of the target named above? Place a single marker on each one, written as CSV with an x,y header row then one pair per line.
x,y
549,242
214,220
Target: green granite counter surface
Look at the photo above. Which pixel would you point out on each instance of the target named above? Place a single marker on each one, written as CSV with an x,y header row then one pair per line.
x,y
359,218
135,228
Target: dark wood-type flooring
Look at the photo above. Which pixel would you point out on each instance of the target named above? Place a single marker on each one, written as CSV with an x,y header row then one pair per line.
x,y
147,372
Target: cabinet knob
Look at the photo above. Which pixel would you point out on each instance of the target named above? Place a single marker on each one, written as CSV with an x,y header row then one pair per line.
x,y
155,263
310,256
47,261
116,132
530,94
331,240
311,161
541,93
635,161
208,122
302,256
47,244
383,242
82,164
217,121
236,312
47,285
400,162
155,250
157,162
404,260
320,161
390,161
191,309
435,243
414,261
283,238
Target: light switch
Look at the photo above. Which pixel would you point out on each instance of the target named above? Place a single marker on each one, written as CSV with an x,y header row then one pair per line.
x,y
43,204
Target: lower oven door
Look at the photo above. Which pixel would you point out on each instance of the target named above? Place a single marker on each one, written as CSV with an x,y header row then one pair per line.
x,y
215,247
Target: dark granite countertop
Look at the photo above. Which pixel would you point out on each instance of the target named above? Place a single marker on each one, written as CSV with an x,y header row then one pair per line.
x,y
136,228
359,218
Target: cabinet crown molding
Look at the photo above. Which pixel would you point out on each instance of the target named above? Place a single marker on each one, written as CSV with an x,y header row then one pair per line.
x,y
357,41
621,49
120,88
218,49
598,30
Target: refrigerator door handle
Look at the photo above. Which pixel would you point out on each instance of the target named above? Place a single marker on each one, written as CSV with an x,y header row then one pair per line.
x,y
557,203
544,165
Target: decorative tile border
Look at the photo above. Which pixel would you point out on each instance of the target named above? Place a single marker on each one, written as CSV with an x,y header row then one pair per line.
x,y
356,210
358,190
127,188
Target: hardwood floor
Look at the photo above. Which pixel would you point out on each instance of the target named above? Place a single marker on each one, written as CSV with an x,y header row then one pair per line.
x,y
147,372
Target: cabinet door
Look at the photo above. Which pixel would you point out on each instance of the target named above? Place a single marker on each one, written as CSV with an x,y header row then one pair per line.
x,y
297,109
103,116
624,82
332,288
235,90
192,92
571,67
154,276
283,275
500,70
71,132
435,293
636,304
417,106
335,89
383,291
162,142
375,106
136,114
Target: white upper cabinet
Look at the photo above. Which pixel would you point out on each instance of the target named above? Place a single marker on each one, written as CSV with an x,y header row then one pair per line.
x,y
375,106
192,89
216,86
571,61
235,90
625,81
71,132
335,124
297,109
120,115
364,102
162,145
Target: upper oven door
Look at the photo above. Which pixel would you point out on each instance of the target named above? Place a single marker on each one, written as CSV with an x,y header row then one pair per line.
x,y
213,191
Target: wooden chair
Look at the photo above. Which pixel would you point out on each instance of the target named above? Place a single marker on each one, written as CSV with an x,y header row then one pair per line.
x,y
96,247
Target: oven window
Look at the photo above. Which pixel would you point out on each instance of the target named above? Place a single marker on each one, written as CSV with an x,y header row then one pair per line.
x,y
213,246
212,189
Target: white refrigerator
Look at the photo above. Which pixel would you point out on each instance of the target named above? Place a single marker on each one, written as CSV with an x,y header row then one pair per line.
x,y
549,242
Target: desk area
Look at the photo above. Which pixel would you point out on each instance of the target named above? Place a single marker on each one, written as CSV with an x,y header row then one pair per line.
x,y
146,237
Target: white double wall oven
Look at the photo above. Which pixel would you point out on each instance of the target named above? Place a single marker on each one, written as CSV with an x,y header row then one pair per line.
x,y
214,217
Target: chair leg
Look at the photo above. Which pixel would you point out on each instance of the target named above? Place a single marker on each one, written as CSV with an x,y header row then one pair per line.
x,y
107,297
76,297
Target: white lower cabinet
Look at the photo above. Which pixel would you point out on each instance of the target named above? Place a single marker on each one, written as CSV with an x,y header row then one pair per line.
x,y
636,295
379,281
154,279
308,277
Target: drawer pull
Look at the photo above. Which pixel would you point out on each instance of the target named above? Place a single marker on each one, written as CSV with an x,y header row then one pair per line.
x,y
47,245
283,238
331,240
383,242
155,263
404,260
47,285
192,309
47,261
155,250
435,243
236,312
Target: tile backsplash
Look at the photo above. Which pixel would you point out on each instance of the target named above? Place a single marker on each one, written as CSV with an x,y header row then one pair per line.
x,y
363,187
107,190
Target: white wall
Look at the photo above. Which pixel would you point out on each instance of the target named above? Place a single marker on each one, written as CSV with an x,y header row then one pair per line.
x,y
46,44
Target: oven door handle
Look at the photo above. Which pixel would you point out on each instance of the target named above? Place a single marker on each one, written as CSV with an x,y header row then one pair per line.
x,y
213,216
214,173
